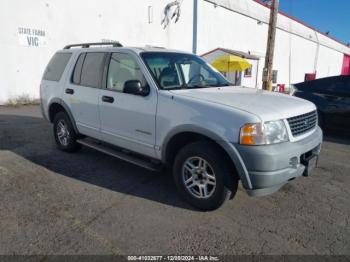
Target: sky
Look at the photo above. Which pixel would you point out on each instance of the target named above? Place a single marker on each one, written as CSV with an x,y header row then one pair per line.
x,y
324,15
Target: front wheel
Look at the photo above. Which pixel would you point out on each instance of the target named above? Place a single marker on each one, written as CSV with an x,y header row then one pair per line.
x,y
203,176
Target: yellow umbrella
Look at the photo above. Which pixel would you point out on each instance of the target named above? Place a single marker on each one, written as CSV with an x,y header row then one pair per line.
x,y
229,63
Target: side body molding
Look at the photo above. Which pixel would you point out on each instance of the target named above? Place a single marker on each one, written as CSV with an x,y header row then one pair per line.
x,y
226,145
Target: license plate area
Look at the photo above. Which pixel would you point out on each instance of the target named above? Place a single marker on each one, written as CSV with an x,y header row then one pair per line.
x,y
309,160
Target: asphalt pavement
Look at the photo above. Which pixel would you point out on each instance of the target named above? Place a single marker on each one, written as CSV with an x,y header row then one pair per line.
x,y
53,202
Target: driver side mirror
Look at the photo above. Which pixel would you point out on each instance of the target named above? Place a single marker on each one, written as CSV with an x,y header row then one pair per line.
x,y
135,87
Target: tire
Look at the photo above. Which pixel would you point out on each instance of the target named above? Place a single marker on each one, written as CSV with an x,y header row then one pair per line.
x,y
189,163
66,139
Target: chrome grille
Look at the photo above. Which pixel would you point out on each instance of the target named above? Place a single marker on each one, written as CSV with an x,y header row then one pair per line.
x,y
302,123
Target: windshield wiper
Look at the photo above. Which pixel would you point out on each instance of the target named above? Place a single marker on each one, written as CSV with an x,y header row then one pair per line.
x,y
208,86
186,86
197,86
175,87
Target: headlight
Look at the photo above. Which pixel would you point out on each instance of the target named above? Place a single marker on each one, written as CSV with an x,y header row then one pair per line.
x,y
271,132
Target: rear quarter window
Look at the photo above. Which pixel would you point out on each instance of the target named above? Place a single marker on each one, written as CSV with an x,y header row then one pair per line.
x,y
56,66
77,69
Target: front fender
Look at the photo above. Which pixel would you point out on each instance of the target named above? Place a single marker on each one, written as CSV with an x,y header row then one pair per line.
x,y
229,148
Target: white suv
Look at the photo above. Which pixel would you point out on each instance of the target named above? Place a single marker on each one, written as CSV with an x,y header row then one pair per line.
x,y
156,107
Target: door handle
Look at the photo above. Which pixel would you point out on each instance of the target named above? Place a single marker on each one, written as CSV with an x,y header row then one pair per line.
x,y
107,99
69,91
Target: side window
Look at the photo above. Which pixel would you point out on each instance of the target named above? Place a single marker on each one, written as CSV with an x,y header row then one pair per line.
x,y
56,66
91,73
248,72
342,86
77,69
122,68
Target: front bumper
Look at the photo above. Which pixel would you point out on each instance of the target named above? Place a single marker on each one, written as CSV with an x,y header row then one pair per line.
x,y
270,167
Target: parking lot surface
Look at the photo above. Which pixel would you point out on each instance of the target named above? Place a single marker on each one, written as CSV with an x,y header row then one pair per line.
x,y
90,203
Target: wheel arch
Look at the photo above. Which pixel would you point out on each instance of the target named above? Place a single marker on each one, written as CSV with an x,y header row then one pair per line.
x,y
57,105
183,135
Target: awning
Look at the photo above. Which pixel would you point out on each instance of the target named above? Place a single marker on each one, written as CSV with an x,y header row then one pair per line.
x,y
230,63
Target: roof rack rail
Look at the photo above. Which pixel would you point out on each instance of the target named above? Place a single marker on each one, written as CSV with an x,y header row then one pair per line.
x,y
87,45
156,47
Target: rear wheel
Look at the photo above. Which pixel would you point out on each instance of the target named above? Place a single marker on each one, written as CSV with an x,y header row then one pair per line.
x,y
203,176
65,136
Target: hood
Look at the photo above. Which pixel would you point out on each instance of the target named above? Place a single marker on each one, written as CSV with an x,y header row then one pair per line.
x,y
264,104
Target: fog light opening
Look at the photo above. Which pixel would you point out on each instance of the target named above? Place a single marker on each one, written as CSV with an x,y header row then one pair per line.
x,y
294,161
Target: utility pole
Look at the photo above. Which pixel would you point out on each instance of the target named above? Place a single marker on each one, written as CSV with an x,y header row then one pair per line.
x,y
267,73
195,26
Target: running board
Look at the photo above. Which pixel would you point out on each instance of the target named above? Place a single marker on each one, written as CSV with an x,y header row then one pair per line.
x,y
118,153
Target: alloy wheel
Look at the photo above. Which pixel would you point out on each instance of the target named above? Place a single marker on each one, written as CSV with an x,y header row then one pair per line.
x,y
199,177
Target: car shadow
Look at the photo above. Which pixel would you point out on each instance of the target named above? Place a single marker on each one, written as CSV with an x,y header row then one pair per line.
x,y
32,139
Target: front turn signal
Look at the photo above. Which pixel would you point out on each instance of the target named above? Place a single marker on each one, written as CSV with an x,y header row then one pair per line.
x,y
251,134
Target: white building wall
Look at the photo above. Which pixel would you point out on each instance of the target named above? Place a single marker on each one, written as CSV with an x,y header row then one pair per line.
x,y
243,25
219,27
66,22
302,58
231,24
329,62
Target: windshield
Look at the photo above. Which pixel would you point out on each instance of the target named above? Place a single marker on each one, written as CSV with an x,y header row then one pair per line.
x,y
182,71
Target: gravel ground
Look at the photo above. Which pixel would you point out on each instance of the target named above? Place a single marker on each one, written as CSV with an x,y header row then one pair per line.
x,y
89,203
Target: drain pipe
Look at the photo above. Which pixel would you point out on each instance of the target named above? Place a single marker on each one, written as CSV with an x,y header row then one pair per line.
x,y
317,52
195,25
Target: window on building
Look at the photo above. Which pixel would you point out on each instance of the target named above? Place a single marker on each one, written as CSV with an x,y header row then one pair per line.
x,y
122,68
274,76
91,73
248,72
56,66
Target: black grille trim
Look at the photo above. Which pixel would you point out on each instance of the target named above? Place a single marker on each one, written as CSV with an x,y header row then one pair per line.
x,y
303,123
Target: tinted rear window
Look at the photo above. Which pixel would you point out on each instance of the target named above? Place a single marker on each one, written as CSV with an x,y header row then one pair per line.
x,y
91,74
77,69
56,66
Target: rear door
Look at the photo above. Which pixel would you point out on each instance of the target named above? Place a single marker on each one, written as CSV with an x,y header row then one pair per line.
x,y
127,120
83,90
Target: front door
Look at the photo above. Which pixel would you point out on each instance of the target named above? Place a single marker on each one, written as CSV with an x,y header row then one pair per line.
x,y
127,120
